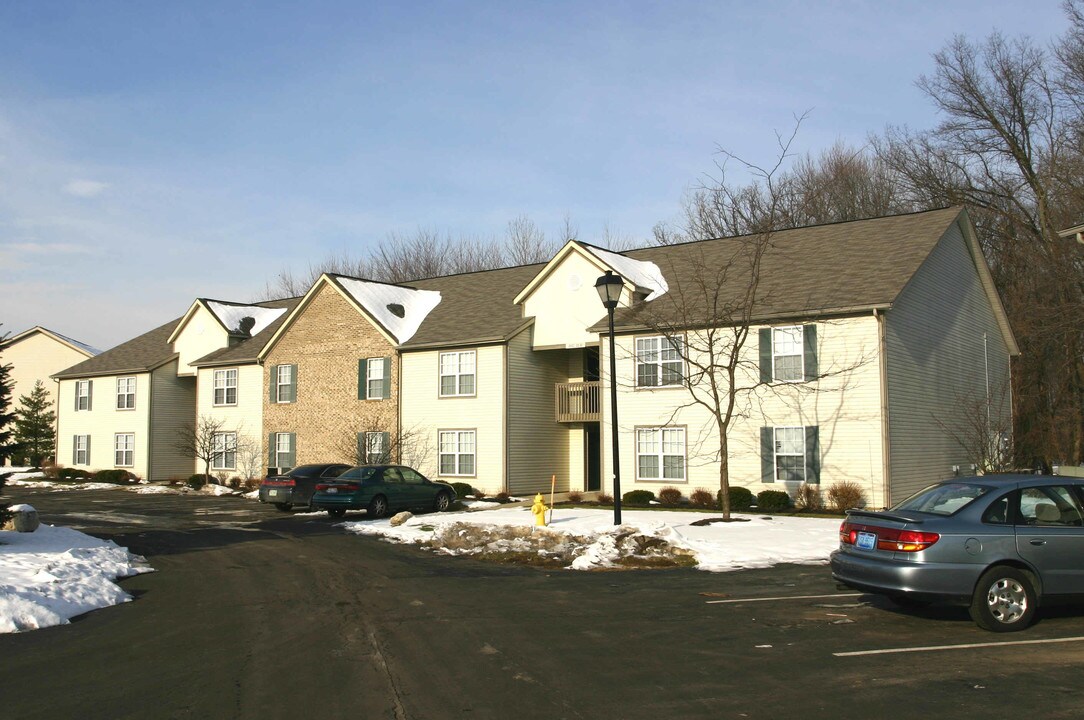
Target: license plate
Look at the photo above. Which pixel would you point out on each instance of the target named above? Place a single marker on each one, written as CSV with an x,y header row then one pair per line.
x,y
866,541
272,493
332,491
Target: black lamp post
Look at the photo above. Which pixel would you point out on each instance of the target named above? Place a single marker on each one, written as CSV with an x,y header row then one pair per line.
x,y
609,289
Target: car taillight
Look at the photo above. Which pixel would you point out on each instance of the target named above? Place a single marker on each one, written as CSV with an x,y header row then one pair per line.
x,y
322,486
280,483
889,538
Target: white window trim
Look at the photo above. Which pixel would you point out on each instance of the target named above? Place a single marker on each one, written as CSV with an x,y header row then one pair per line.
x,y
81,450
224,449
126,394
661,455
282,452
800,354
225,387
121,452
776,454
458,374
375,452
664,343
82,392
458,452
370,379
288,370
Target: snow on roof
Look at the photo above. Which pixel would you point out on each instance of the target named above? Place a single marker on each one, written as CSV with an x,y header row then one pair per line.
x,y
641,273
88,348
231,316
400,310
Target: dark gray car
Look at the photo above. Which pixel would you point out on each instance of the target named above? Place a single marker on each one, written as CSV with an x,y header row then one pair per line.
x,y
998,543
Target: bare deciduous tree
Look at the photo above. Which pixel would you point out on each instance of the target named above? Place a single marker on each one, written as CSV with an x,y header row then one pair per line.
x,y
985,434
200,441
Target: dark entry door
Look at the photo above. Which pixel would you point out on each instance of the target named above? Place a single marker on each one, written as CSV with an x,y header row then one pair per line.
x,y
593,456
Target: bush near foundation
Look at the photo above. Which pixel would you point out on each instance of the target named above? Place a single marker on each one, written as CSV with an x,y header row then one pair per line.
x,y
604,499
846,495
740,498
462,489
72,474
702,498
770,500
809,497
670,496
575,497
638,497
116,476
196,481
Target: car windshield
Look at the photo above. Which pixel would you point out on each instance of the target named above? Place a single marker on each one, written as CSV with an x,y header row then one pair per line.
x,y
358,473
305,471
943,498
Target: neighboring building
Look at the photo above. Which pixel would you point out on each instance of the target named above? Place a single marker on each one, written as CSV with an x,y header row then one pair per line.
x,y
125,407
36,354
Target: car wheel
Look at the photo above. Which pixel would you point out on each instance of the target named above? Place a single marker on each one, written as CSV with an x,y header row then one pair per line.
x,y
378,507
443,502
336,512
1004,600
285,507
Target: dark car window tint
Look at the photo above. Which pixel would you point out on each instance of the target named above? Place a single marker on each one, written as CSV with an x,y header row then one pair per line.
x,y
335,471
358,473
998,512
944,499
1050,505
412,477
392,475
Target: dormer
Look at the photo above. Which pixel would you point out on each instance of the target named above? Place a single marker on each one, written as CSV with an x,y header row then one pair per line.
x,y
562,297
211,325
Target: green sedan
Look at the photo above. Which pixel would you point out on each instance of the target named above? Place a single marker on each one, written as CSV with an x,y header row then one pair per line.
x,y
379,489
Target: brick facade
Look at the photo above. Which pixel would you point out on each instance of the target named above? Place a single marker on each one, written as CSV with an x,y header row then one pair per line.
x,y
325,342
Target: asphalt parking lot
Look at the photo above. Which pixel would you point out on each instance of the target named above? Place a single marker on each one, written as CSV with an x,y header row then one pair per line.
x,y
255,613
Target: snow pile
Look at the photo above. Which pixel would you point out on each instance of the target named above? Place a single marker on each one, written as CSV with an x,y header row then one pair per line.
x,y
401,310
53,574
584,538
641,273
231,316
37,480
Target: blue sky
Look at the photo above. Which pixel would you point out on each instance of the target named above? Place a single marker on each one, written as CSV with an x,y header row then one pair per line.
x,y
154,152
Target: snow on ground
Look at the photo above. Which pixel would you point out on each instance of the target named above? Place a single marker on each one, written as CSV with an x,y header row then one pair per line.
x,y
53,574
762,541
37,480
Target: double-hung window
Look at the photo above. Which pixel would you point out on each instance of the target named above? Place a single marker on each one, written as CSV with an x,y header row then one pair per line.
x,y
282,451
225,387
126,389
124,449
457,373
225,451
284,383
81,450
376,448
787,349
658,361
790,454
457,451
377,378
660,454
82,394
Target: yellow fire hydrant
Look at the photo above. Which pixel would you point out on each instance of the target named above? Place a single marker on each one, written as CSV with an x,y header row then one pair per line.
x,y
539,510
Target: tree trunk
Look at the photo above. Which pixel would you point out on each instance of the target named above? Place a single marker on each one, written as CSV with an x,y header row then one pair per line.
x,y
724,474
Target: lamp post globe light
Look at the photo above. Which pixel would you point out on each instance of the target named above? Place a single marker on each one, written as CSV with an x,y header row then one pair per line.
x,y
609,290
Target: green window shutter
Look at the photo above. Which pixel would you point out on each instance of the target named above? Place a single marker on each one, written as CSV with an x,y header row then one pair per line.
x,y
75,449
293,383
274,380
363,386
291,457
90,394
359,458
88,449
387,380
385,442
765,355
812,454
271,451
77,396
767,454
809,336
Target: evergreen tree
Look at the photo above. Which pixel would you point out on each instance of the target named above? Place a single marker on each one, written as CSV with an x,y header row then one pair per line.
x,y
35,425
7,447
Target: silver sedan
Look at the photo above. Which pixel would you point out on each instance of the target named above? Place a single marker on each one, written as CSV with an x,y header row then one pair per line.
x,y
999,544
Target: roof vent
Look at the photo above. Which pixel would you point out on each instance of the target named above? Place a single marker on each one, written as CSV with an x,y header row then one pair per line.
x,y
397,310
246,325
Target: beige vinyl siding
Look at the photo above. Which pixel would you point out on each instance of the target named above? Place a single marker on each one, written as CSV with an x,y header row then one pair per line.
x,y
566,303
246,417
202,334
424,413
103,421
936,365
173,407
845,406
34,358
538,446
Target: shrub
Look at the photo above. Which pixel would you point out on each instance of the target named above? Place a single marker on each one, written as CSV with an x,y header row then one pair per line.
x,y
51,469
479,494
72,474
809,497
846,495
575,497
740,498
196,481
773,500
502,497
5,514
702,498
604,499
638,497
234,482
116,476
250,484
462,489
670,496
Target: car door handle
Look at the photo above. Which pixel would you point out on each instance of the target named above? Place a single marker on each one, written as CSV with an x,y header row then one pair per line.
x,y
1037,541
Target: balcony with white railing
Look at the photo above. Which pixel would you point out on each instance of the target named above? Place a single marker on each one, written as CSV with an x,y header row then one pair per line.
x,y
577,401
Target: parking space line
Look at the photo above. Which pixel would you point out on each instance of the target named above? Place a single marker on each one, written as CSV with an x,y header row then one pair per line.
x,y
933,648
784,597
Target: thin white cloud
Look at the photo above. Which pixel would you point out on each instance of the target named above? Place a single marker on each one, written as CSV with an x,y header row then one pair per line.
x,y
46,248
85,188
